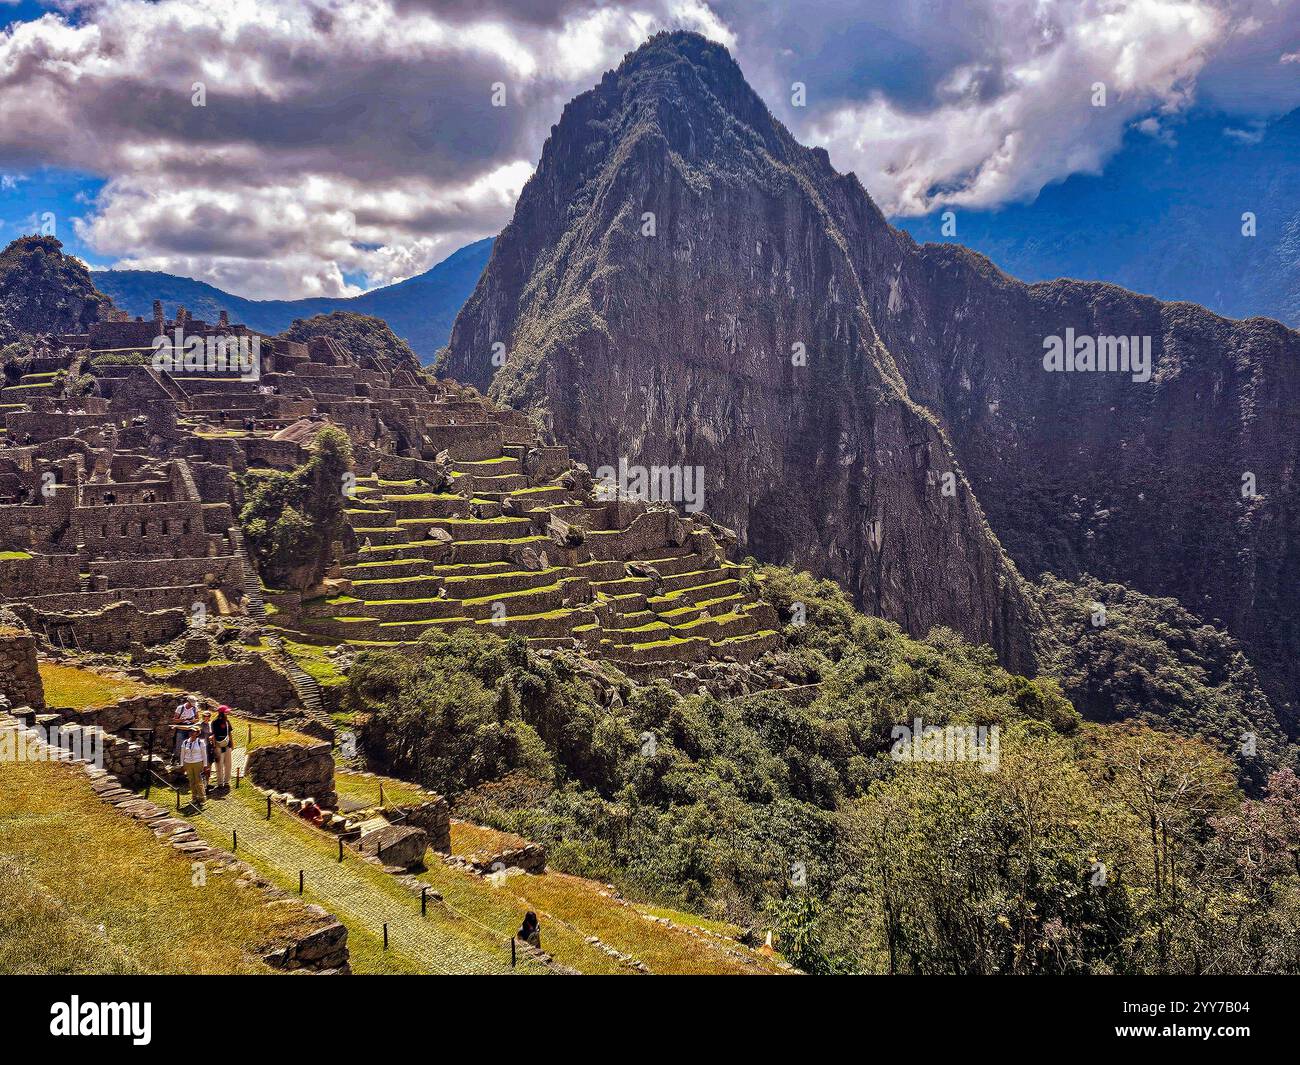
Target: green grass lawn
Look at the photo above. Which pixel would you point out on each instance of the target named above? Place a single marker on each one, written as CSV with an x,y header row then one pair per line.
x,y
83,689
84,889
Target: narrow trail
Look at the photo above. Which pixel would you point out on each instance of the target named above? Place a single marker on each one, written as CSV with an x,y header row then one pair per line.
x,y
441,943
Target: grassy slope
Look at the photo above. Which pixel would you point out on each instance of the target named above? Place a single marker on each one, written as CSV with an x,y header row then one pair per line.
x,y
84,889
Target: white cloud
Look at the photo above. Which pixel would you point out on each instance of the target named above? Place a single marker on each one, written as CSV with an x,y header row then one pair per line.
x,y
357,137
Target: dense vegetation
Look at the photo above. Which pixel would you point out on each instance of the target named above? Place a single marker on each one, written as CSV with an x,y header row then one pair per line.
x,y
44,291
359,334
1121,655
291,519
1082,848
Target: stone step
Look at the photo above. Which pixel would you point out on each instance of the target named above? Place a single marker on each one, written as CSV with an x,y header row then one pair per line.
x,y
496,582
692,595
381,536
481,529
502,466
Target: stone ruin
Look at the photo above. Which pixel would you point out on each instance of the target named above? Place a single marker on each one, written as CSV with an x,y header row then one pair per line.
x,y
118,512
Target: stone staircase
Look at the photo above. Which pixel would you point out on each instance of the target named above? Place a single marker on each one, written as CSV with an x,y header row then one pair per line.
x,y
309,691
254,604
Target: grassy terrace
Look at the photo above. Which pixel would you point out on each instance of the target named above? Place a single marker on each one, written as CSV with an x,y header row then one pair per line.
x,y
84,889
82,689
360,894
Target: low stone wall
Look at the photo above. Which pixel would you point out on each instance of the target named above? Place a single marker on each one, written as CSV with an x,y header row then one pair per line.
x,y
434,817
20,680
139,711
400,846
296,769
253,685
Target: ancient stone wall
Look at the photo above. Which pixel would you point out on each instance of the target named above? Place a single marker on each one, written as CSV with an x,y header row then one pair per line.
x,y
434,817
20,680
296,769
38,575
114,628
254,685
224,570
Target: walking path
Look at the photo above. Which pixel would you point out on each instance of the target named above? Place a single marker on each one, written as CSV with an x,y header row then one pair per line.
x,y
360,895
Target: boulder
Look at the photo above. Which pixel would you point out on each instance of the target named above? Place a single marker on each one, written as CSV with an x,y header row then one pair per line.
x,y
400,845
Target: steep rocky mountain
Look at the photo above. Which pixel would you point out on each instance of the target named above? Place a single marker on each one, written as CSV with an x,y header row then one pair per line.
x,y
420,309
43,291
684,284
682,348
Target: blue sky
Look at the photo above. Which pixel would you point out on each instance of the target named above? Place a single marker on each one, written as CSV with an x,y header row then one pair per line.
x,y
345,144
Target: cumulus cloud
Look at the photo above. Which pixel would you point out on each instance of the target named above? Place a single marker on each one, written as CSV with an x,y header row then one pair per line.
x,y
987,101
337,138
357,138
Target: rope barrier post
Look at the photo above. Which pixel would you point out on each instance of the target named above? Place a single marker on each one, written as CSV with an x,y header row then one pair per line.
x,y
268,807
250,734
300,881
178,799
237,772
234,846
424,902
512,952
385,935
340,848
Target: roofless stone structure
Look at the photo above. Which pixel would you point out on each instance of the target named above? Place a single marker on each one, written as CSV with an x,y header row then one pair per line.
x,y
119,527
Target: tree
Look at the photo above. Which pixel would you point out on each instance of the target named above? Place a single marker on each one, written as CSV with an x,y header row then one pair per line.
x,y
292,520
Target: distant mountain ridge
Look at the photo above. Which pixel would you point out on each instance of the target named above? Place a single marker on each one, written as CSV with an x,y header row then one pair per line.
x,y
420,309
1164,218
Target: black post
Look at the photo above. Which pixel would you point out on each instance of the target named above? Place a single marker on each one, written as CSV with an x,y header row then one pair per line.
x,y
512,952
424,902
385,935
178,798
300,882
250,733
234,832
340,848
237,778
268,807
277,726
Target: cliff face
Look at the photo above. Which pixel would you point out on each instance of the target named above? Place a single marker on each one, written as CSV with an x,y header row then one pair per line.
x,y
839,384
1183,486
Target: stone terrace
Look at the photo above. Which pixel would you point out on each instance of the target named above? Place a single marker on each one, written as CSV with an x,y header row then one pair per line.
x,y
461,516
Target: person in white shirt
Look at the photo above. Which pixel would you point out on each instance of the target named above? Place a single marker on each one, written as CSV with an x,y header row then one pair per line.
x,y
194,757
183,717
